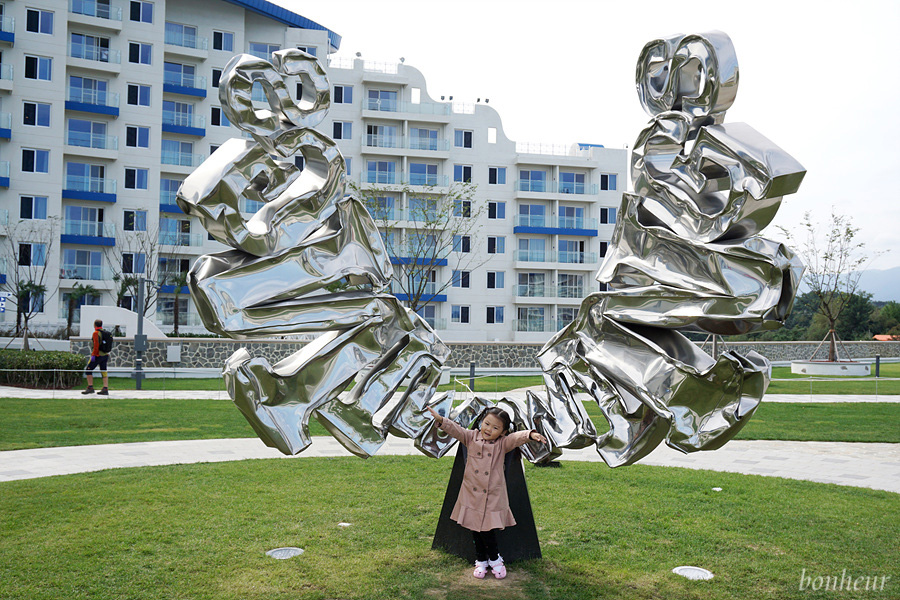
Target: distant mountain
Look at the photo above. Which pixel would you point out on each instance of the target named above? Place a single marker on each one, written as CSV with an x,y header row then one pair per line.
x,y
883,284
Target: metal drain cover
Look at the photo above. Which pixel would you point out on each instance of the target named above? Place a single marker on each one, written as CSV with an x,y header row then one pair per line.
x,y
283,553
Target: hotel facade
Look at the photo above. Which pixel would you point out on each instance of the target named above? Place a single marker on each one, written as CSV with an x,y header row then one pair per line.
x,y
105,107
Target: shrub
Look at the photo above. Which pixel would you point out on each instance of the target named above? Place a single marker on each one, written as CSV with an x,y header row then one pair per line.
x,y
48,369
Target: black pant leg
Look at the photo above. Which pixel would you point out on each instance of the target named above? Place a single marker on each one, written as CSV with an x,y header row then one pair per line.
x,y
490,543
481,549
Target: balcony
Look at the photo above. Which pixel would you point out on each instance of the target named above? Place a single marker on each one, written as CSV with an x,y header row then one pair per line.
x,y
184,84
6,77
426,180
88,232
182,123
569,187
429,294
385,177
4,173
535,325
5,126
167,203
92,101
535,290
565,256
85,272
94,57
178,238
429,144
570,291
540,224
78,187
576,258
7,30
382,141
182,159
381,105
530,185
91,8
81,139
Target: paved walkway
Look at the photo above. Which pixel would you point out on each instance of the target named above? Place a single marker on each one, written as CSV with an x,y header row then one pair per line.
x,y
874,466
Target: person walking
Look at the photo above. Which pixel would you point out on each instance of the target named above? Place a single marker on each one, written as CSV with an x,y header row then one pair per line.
x,y
101,344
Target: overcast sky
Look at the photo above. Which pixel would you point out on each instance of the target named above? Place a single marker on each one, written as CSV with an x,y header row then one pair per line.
x,y
817,78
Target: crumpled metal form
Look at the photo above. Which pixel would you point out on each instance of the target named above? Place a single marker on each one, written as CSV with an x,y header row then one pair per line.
x,y
685,256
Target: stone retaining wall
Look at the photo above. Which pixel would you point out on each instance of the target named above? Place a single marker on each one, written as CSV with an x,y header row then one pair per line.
x,y
211,352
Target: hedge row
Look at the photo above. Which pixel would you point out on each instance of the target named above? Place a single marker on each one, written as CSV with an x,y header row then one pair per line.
x,y
48,369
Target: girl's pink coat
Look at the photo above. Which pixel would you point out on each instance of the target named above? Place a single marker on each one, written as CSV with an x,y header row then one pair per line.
x,y
482,504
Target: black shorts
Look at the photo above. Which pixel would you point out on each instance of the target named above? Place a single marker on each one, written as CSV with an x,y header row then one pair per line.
x,y
97,361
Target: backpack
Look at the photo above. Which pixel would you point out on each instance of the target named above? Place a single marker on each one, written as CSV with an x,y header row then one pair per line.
x,y
106,341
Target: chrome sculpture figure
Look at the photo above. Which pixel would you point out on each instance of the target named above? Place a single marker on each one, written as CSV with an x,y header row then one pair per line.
x,y
685,255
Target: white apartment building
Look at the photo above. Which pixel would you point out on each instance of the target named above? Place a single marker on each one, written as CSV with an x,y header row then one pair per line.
x,y
105,107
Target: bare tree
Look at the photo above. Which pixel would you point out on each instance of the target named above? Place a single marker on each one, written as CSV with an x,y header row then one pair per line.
x,y
835,261
27,250
124,260
436,228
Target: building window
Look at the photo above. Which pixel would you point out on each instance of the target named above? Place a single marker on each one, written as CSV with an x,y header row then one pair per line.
x,y
137,136
32,255
459,314
421,138
142,12
39,21
422,174
342,130
604,247
461,279
381,171
532,181
135,220
347,161
462,138
168,189
140,53
89,91
462,243
571,251
136,178
571,183
216,76
428,314
264,51
607,216
531,250
343,94
138,95
177,34
89,47
86,134
564,316
35,161
311,50
223,40
532,215
608,181
218,117
495,280
38,67
134,263
497,175
36,114
33,207
496,210
530,318
299,162
496,244
494,314
462,173
382,100
462,208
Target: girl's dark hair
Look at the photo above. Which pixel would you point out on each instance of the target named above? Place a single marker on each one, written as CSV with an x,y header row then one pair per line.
x,y
500,414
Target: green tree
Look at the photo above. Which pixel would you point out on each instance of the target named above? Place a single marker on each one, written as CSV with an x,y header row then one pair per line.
x,y
74,298
856,319
886,319
835,260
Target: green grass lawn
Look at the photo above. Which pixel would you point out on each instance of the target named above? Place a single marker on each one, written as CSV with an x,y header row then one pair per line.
x,y
200,532
48,423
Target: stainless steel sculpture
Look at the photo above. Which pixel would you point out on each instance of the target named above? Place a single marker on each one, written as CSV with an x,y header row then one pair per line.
x,y
685,256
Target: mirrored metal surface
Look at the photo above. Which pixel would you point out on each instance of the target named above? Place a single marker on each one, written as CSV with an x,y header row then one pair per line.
x,y
685,256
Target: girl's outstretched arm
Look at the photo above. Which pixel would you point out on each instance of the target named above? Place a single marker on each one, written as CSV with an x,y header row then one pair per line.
x,y
514,440
452,427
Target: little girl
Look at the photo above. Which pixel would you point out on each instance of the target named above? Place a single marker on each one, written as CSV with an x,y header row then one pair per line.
x,y
482,505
